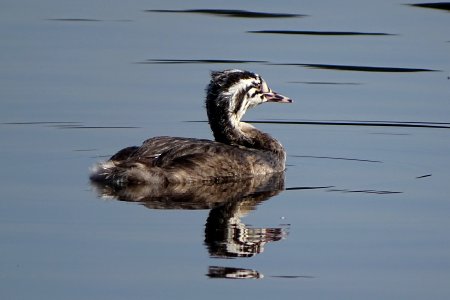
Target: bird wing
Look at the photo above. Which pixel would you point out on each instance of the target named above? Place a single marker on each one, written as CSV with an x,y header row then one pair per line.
x,y
168,146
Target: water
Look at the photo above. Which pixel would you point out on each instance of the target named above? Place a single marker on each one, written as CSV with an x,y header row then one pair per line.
x,y
364,210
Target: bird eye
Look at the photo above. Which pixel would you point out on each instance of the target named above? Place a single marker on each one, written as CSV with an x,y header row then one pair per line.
x,y
264,87
258,85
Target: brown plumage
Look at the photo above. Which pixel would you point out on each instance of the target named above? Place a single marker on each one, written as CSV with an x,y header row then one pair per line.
x,y
239,150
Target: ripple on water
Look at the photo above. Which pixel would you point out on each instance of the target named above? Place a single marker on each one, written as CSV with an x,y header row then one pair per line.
x,y
313,32
234,13
436,5
358,68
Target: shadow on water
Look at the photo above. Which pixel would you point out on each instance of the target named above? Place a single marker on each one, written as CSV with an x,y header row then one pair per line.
x,y
436,5
309,32
234,13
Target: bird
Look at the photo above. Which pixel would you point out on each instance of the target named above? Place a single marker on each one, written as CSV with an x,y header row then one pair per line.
x,y
239,150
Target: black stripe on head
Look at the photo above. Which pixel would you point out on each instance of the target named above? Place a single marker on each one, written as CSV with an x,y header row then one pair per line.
x,y
223,80
259,79
239,98
256,92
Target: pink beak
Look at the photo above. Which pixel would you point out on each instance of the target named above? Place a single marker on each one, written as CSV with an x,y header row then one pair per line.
x,y
275,97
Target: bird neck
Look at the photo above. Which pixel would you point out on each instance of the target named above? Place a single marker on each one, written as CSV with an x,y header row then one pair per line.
x,y
228,128
255,138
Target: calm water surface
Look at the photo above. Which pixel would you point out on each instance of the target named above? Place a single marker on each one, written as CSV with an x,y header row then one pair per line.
x,y
363,209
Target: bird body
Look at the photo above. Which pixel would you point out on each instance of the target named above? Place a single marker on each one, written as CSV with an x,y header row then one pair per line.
x,y
239,150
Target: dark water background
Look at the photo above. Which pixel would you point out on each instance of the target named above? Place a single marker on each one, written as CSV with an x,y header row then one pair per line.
x,y
365,213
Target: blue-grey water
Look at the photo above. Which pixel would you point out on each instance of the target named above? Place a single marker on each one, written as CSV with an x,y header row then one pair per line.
x,y
365,210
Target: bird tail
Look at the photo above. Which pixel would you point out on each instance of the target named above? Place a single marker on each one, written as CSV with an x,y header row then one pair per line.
x,y
113,173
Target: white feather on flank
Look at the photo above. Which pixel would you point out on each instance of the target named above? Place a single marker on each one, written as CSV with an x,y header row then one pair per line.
x,y
102,168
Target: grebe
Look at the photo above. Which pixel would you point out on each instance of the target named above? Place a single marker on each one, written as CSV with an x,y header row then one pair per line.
x,y
239,150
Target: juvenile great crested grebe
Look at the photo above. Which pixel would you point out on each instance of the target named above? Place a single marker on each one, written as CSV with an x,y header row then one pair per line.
x,y
239,150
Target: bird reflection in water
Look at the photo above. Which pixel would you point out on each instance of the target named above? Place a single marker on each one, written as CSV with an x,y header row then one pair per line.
x,y
233,273
225,234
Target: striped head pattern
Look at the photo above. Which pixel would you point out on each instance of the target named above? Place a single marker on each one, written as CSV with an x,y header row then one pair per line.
x,y
242,90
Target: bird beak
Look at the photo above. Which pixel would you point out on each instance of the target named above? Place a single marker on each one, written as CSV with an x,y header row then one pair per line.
x,y
275,97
